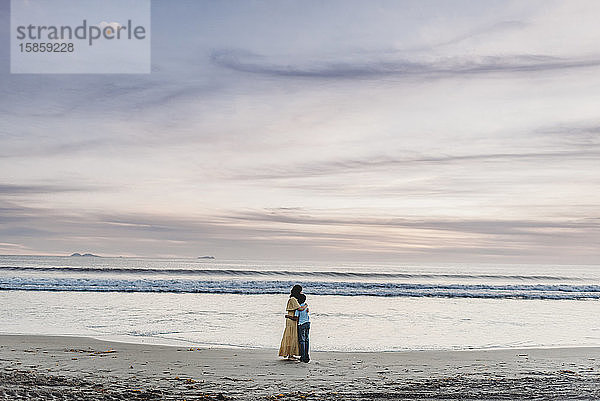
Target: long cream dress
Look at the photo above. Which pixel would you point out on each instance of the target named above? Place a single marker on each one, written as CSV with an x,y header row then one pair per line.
x,y
289,342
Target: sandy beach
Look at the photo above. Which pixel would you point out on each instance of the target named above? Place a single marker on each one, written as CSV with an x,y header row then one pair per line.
x,y
48,367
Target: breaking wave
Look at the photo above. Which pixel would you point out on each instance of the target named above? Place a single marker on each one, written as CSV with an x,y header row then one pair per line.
x,y
275,273
519,291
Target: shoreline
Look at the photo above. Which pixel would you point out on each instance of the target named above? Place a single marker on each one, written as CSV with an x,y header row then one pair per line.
x,y
185,343
177,343
46,367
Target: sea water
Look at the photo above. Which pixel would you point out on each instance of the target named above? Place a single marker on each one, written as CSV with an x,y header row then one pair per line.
x,y
353,306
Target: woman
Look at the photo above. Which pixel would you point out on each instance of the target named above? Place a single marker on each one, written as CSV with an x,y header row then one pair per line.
x,y
289,343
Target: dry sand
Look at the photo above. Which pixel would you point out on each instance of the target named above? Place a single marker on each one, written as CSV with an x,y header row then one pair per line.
x,y
74,368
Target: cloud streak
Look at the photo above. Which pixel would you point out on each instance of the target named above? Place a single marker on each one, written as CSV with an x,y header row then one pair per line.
x,y
16,189
479,226
243,61
325,168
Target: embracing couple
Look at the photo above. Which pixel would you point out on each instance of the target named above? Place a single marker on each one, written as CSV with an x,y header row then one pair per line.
x,y
297,326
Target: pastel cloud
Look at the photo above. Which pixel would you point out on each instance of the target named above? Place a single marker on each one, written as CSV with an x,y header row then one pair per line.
x,y
423,131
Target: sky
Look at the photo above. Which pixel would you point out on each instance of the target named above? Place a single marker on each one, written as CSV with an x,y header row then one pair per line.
x,y
401,131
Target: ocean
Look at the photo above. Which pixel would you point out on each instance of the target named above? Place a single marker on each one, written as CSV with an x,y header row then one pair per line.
x,y
353,306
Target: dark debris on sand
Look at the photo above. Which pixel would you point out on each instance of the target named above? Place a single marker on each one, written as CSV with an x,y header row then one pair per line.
x,y
559,386
20,385
563,385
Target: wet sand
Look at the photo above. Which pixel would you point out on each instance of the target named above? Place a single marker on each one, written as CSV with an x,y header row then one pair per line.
x,y
67,368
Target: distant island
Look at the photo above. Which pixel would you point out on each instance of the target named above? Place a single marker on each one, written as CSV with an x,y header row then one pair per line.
x,y
85,254
206,257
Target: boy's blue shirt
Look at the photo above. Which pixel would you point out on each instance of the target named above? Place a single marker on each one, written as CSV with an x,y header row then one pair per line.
x,y
302,315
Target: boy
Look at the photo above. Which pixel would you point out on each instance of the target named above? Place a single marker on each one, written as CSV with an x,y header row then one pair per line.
x,y
303,329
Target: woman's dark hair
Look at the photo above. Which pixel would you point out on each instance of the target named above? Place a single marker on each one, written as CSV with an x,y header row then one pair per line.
x,y
296,290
